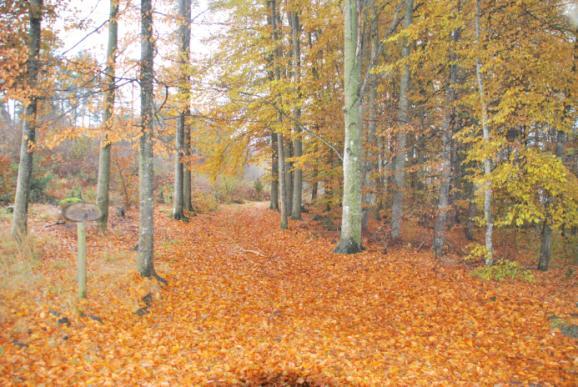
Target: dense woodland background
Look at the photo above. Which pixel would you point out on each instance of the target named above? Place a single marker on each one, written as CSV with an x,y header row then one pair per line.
x,y
463,114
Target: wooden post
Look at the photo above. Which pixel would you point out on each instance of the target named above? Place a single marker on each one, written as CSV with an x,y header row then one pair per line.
x,y
80,213
81,259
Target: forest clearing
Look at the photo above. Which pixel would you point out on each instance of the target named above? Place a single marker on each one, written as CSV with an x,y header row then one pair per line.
x,y
247,303
288,192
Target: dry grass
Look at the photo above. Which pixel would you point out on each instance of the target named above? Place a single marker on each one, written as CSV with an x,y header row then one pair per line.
x,y
19,262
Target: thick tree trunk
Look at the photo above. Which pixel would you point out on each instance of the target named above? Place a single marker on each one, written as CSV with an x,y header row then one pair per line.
x,y
20,219
297,194
369,196
486,139
182,147
146,173
446,156
350,239
103,179
403,120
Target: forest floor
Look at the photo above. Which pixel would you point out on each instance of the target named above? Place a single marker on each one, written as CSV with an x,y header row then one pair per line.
x,y
247,303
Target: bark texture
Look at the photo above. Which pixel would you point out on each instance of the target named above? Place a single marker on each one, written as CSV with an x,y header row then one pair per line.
x,y
20,218
281,146
486,139
181,185
103,179
446,155
350,239
297,194
403,120
146,173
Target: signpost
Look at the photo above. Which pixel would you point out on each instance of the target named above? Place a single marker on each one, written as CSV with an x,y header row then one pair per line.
x,y
80,213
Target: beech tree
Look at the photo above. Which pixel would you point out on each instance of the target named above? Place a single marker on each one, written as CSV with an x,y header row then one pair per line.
x,y
447,130
146,172
182,181
22,197
403,122
350,238
103,179
489,252
297,193
281,145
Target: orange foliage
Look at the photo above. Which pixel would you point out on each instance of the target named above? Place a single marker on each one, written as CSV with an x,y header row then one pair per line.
x,y
248,303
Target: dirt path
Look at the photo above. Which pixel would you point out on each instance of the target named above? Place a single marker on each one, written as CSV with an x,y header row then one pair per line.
x,y
249,303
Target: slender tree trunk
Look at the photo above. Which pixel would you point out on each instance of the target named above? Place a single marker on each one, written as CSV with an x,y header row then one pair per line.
x,y
369,196
469,229
146,173
546,237
182,124
178,192
281,146
288,173
274,204
446,156
445,178
274,200
187,174
20,219
315,185
282,180
185,38
297,196
103,179
350,239
403,119
486,139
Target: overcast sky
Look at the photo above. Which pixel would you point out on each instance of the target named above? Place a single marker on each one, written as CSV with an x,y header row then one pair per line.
x,y
95,12
91,14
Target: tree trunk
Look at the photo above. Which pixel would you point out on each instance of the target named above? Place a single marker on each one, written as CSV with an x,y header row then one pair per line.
x,y
288,173
146,174
350,239
469,229
486,139
297,194
444,190
281,146
403,120
274,204
103,179
546,237
187,175
369,196
182,148
20,219
545,247
282,180
274,200
446,156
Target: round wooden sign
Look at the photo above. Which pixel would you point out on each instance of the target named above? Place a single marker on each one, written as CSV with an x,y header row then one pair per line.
x,y
81,212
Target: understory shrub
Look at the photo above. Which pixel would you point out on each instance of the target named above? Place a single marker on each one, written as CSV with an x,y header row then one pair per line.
x,y
504,270
68,201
